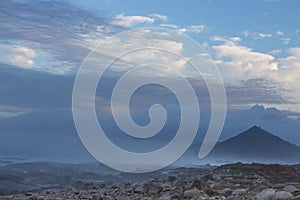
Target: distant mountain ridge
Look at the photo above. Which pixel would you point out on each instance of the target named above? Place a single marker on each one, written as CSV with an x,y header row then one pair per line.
x,y
255,145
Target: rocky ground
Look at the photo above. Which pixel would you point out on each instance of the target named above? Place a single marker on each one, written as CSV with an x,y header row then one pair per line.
x,y
234,181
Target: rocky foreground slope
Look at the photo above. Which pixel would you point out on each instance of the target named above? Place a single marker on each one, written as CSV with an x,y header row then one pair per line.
x,y
234,181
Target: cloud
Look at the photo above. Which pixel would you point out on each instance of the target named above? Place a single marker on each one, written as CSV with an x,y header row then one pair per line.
x,y
290,67
60,44
132,20
264,35
20,56
243,62
275,51
128,21
262,90
237,62
172,26
192,29
159,16
226,40
24,90
279,33
256,35
186,29
295,51
285,40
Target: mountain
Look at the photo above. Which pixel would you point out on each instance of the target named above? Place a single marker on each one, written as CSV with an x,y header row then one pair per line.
x,y
255,145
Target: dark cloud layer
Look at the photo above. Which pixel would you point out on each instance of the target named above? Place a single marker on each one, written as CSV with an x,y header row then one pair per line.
x,y
259,90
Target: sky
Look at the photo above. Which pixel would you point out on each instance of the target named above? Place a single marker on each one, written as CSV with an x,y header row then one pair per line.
x,y
255,45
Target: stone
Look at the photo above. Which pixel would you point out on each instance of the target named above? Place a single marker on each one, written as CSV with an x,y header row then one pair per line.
x,y
216,177
290,188
226,192
191,193
153,188
217,198
106,198
166,186
297,197
239,192
203,196
171,178
284,195
97,197
165,197
266,194
140,189
7,197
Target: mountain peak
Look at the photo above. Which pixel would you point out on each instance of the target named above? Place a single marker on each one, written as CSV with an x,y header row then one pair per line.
x,y
255,130
257,144
254,127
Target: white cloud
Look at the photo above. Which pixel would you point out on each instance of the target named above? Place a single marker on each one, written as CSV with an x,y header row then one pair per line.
x,y
235,39
159,16
115,46
227,41
285,40
192,29
242,62
20,56
295,52
173,26
128,21
238,63
264,35
218,39
256,35
279,33
275,51
188,29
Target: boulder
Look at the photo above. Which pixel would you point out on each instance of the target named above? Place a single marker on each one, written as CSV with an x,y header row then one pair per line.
x,y
165,197
239,192
266,194
290,188
191,193
283,195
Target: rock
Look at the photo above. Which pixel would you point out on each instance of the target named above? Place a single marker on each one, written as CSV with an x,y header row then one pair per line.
x,y
106,198
166,186
196,184
266,194
153,188
203,196
283,195
140,189
192,193
217,198
290,188
210,191
226,192
234,198
239,192
216,177
171,178
7,197
97,197
297,197
165,197
180,187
